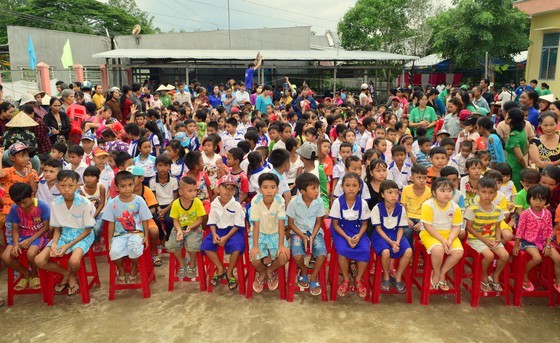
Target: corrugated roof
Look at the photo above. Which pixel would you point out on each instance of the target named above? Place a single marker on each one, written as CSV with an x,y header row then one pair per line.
x,y
426,61
249,55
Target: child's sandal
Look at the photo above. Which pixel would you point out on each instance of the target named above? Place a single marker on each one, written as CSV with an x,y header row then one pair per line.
x,y
315,288
343,288
35,283
73,290
495,285
121,279
157,261
22,284
443,286
232,283
181,274
303,281
258,284
60,288
385,285
131,279
361,289
485,287
215,279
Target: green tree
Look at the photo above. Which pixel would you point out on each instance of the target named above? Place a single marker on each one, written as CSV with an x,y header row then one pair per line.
x,y
129,6
82,16
473,27
375,25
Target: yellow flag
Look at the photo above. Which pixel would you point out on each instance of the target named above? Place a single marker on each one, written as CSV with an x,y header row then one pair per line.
x,y
67,59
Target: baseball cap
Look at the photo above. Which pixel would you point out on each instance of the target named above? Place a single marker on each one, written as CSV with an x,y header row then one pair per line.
x,y
308,151
89,136
234,110
99,152
442,132
16,147
135,170
364,86
471,120
228,180
327,99
464,114
86,85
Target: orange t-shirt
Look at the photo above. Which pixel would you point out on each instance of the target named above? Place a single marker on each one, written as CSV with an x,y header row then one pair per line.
x,y
12,177
328,166
151,201
431,176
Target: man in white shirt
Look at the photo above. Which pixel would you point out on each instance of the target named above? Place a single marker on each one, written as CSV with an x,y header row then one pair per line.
x,y
182,96
241,96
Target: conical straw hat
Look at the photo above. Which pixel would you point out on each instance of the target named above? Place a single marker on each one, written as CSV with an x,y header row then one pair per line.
x,y
21,119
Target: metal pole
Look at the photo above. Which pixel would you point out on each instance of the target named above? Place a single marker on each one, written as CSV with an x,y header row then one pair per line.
x,y
486,66
229,24
334,82
187,77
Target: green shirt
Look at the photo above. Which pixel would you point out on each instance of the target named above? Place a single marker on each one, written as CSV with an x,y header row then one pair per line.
x,y
517,139
521,200
428,114
546,91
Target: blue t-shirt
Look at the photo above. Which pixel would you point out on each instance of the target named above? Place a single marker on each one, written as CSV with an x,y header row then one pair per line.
x,y
533,117
496,149
249,77
127,216
29,223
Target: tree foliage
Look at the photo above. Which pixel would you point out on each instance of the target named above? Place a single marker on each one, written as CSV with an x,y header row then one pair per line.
x,y
129,6
473,27
81,16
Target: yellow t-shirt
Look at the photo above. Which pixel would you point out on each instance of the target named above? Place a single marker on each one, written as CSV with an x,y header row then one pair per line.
x,y
412,202
187,216
441,218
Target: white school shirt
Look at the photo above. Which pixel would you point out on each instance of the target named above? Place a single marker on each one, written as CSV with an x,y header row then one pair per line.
x,y
45,194
80,169
351,213
232,214
335,149
229,141
402,176
106,177
364,139
389,222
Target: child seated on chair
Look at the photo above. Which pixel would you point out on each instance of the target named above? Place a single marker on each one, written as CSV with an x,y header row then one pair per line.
x,y
72,220
29,220
267,217
305,216
485,235
389,221
187,213
127,216
534,233
442,220
95,192
227,229
349,214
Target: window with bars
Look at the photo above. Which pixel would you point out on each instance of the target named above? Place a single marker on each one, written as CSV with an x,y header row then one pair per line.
x,y
549,56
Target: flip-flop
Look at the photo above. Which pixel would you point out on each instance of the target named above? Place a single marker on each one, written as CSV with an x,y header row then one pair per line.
x,y
303,281
217,278
35,283
315,288
385,285
60,288
232,283
273,283
73,290
443,286
258,284
157,261
21,285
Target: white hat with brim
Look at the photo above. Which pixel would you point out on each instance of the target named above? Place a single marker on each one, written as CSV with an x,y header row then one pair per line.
x,y
21,119
170,87
38,92
46,100
549,98
162,88
27,98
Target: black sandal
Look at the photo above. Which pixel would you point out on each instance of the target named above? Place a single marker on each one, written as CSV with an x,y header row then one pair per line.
x,y
73,290
217,278
232,283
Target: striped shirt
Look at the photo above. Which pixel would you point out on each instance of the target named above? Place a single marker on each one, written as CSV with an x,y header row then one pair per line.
x,y
484,222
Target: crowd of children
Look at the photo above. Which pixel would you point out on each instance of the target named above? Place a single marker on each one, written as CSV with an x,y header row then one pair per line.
x,y
190,178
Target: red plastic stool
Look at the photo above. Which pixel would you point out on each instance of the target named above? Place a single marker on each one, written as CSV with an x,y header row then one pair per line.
x,y
49,279
145,269
174,268
251,272
542,277
100,248
292,283
378,277
240,266
334,277
12,281
424,285
476,271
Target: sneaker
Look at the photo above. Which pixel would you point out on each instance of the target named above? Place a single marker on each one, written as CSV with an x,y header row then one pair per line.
x,y
191,273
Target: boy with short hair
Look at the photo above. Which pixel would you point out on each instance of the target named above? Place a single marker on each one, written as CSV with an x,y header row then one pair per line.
x,y
72,220
101,159
46,188
273,136
123,160
469,182
133,132
286,132
449,145
335,146
233,159
192,144
267,234
399,169
412,198
29,219
465,151
88,141
369,125
305,216
422,157
58,150
188,214
308,154
438,159
231,137
165,188
280,161
76,163
529,177
127,216
338,169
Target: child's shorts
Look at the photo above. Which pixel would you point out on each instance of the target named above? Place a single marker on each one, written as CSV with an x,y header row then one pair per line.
x,y
268,244
479,246
318,249
130,244
430,242
191,241
69,234
524,245
40,242
379,244
235,243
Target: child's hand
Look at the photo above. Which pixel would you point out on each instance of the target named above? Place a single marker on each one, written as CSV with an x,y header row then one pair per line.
x,y
416,226
447,246
547,251
25,243
16,250
215,238
410,224
254,254
160,214
350,242
222,241
145,240
491,242
54,250
179,235
62,250
515,251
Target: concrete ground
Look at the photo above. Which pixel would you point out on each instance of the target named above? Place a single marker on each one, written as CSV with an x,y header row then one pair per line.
x,y
187,314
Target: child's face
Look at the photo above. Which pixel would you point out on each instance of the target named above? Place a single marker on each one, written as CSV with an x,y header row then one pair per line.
x,y
439,160
50,173
443,194
87,145
485,160
407,143
526,184
355,167
454,179
465,151
486,195
126,187
26,204
353,124
187,192
391,136
548,182
475,171
226,192
391,196
338,121
425,148
90,180
163,168
344,153
273,134
208,147
210,130
67,188
449,150
191,128
380,133
379,173
325,148
56,155
537,204
74,159
171,153
231,129
309,137
507,178
311,192
399,158
20,159
146,148
230,161
141,121
268,189
351,187
100,160
381,146
419,180
127,164
287,133
350,137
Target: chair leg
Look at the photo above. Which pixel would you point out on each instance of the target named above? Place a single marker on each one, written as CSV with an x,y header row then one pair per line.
x,y
171,278
292,274
201,272
376,289
84,287
426,280
241,279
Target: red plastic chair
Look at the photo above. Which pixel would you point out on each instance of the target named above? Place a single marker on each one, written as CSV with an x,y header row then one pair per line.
x,y
251,273
145,269
292,282
12,281
423,283
542,277
378,276
174,268
476,271
240,266
49,279
334,277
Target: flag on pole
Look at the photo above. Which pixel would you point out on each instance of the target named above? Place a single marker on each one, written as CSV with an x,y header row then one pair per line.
x,y
67,59
31,52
